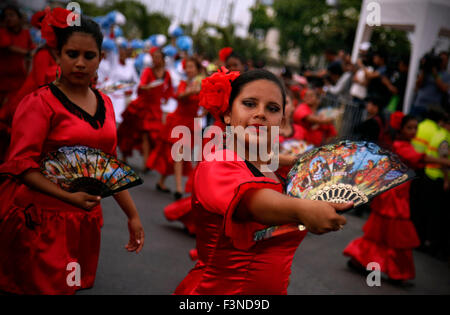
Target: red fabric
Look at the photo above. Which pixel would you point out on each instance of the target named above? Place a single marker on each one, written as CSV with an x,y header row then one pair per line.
x,y
389,234
12,65
315,134
40,234
54,18
224,53
180,210
144,114
161,157
229,261
408,154
43,71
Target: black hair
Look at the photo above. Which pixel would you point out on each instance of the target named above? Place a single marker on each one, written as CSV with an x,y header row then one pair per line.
x,y
382,54
12,8
406,119
87,26
254,75
197,63
237,56
375,100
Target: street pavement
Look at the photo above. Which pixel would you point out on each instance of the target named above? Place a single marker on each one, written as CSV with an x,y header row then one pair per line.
x,y
318,267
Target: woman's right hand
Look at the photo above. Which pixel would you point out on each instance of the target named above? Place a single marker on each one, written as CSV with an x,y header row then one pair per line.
x,y
84,200
322,216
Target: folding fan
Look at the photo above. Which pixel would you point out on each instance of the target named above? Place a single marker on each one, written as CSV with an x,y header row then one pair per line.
x,y
90,170
118,86
295,147
343,172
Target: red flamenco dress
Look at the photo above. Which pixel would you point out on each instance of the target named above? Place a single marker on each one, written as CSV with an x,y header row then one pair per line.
x,y
181,210
229,260
312,133
12,65
43,71
39,234
161,158
389,234
144,114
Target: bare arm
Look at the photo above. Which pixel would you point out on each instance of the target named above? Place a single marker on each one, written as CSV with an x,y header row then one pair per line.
x,y
39,182
270,207
316,119
135,228
442,161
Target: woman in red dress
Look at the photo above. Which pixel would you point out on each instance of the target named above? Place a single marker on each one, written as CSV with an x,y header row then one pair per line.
x,y
389,234
142,120
161,158
233,198
43,71
315,129
44,230
15,46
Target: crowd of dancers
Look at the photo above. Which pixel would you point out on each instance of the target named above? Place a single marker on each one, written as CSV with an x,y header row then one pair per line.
x,y
86,87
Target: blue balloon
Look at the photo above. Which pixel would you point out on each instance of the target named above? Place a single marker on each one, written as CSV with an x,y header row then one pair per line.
x,y
108,44
137,44
169,51
184,43
118,31
177,32
139,62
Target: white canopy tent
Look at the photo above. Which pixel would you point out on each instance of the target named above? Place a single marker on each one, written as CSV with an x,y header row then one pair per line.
x,y
428,19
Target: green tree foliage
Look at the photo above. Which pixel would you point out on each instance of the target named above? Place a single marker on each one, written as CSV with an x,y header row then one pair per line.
x,y
209,46
314,26
260,20
140,23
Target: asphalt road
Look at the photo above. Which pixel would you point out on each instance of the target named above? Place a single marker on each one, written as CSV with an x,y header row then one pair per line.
x,y
318,267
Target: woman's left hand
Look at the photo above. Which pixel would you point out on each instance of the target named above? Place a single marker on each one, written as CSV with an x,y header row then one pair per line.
x,y
136,235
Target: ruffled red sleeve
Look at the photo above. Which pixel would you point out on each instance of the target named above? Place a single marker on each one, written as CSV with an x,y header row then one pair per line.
x,y
181,88
302,111
41,61
408,154
219,187
146,77
30,127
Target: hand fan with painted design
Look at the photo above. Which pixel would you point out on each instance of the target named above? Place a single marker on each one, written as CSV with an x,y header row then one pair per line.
x,y
343,172
90,170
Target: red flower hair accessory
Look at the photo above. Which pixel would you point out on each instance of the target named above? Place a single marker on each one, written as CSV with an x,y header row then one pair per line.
x,y
54,18
37,18
396,120
224,53
216,90
153,50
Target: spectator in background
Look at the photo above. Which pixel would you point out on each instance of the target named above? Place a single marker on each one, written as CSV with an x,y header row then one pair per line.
x,y
432,83
340,75
377,86
374,128
358,90
397,85
16,46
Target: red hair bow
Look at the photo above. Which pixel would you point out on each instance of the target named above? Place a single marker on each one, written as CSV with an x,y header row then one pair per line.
x,y
396,120
224,53
54,18
216,90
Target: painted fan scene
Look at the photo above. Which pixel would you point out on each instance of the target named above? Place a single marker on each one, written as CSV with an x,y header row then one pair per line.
x,y
222,147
